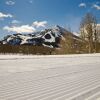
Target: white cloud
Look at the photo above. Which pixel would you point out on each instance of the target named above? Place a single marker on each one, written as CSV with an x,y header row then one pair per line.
x,y
82,5
96,6
20,29
98,26
31,1
39,24
15,22
25,28
97,2
10,2
2,15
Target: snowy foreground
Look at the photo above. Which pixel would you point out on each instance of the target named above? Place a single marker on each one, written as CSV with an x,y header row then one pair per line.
x,y
68,77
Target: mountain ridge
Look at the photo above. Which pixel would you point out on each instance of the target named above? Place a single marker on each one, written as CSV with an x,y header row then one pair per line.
x,y
49,37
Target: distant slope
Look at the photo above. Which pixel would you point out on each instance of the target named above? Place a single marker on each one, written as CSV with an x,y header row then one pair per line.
x,y
49,38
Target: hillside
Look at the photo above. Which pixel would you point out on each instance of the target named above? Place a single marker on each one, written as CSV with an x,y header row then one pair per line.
x,y
48,38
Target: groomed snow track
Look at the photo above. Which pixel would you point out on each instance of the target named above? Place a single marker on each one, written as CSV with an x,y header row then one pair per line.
x,y
72,77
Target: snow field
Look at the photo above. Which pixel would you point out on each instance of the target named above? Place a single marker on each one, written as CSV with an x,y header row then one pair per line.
x,y
62,77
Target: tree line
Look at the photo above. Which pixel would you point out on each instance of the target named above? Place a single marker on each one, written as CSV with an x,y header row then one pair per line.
x,y
25,49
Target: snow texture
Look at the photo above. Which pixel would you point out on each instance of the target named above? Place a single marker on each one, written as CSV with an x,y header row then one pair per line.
x,y
54,77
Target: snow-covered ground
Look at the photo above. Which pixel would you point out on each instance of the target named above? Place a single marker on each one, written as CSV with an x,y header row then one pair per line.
x,y
60,77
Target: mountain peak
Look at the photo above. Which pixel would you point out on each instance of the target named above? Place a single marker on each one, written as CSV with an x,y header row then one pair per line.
x,y
57,27
49,37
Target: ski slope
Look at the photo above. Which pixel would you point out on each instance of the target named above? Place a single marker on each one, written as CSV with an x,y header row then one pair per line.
x,y
55,77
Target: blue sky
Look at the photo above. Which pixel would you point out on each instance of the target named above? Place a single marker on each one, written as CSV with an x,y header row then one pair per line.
x,y
16,15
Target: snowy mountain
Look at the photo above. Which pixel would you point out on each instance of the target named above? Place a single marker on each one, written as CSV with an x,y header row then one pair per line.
x,y
49,37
